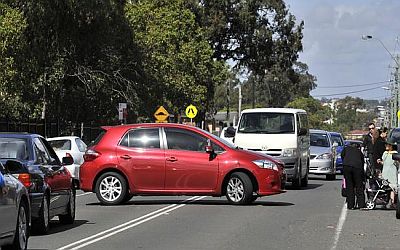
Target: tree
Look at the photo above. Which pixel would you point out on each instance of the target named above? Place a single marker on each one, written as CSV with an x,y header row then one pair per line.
x,y
261,36
78,52
12,42
317,113
178,58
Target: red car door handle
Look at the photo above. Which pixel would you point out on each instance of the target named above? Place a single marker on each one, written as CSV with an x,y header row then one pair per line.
x,y
171,159
126,157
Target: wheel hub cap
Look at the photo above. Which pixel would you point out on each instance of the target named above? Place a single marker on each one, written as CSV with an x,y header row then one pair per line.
x,y
235,189
110,188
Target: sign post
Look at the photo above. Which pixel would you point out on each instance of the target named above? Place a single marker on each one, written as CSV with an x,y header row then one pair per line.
x,y
122,112
191,112
161,115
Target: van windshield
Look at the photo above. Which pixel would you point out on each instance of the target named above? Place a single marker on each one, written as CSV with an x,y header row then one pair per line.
x,y
267,123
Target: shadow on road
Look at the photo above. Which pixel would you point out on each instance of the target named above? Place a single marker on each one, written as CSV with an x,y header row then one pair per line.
x,y
309,186
57,227
198,202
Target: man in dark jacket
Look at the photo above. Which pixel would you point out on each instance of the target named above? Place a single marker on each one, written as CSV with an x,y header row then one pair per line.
x,y
353,171
368,144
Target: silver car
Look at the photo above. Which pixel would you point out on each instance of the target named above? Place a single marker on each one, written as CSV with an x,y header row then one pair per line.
x,y
14,212
322,154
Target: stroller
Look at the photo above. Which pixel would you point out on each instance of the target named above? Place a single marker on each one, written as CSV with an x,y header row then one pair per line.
x,y
378,192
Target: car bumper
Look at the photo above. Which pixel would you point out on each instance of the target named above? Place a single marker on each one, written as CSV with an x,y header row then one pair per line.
x,y
270,182
321,167
290,166
86,176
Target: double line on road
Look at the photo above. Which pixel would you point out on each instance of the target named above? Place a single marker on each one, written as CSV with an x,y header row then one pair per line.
x,y
127,225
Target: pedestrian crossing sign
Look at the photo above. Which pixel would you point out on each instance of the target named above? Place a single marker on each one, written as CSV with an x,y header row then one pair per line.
x,y
191,111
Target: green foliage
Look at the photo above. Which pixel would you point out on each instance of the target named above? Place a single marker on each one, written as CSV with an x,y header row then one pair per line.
x,y
178,58
317,113
12,42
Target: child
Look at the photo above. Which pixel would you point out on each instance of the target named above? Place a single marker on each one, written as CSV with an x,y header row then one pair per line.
x,y
389,171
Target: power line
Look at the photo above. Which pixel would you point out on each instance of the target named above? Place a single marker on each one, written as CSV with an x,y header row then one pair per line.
x,y
356,85
351,92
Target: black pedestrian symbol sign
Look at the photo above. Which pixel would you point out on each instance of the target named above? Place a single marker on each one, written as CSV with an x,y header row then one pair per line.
x,y
161,114
191,111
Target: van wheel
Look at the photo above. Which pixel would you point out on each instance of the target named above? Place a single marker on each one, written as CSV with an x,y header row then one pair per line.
x,y
239,190
111,188
296,183
304,181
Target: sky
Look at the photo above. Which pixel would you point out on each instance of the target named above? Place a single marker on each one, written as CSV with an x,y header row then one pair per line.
x,y
336,54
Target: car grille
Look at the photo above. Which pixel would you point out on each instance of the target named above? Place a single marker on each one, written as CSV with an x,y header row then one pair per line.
x,y
270,152
313,168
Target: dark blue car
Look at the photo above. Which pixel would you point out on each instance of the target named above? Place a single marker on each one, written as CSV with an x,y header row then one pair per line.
x,y
338,138
31,158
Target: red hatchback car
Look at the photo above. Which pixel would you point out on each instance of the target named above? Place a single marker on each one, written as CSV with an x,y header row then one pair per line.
x,y
175,159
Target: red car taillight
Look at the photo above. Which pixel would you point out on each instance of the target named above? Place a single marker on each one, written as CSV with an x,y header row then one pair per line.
x,y
25,179
91,155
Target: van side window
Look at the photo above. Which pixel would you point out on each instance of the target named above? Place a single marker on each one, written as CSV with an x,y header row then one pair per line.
x,y
302,122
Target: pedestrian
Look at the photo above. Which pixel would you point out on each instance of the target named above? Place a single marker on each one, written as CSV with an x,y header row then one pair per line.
x,y
368,144
389,171
380,148
353,171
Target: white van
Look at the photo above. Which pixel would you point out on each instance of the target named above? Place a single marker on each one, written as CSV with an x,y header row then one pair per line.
x,y
279,132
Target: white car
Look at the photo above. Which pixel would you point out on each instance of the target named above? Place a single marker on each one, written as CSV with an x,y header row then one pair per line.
x,y
70,146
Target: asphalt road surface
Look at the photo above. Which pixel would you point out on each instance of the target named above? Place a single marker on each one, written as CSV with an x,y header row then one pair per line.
x,y
312,218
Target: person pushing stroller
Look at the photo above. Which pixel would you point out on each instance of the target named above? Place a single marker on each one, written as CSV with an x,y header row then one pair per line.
x,y
353,170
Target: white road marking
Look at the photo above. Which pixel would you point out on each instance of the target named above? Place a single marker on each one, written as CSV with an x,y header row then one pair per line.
x,y
127,225
339,226
83,194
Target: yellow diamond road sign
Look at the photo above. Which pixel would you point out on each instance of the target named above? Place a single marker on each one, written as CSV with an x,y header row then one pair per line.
x,y
161,114
191,111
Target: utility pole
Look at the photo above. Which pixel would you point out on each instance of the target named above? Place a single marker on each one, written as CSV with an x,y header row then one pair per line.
x,y
397,95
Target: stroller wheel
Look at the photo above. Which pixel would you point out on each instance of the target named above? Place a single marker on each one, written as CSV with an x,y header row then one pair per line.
x,y
370,205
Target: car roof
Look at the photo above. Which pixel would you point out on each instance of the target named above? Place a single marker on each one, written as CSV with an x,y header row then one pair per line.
x,y
318,131
63,138
335,133
274,110
18,135
150,125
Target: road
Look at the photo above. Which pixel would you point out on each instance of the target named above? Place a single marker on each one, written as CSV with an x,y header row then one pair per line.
x,y
311,218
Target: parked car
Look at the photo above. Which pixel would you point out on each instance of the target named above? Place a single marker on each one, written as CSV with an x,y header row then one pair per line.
x,y
323,154
70,146
49,183
338,138
175,159
281,133
394,135
15,212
